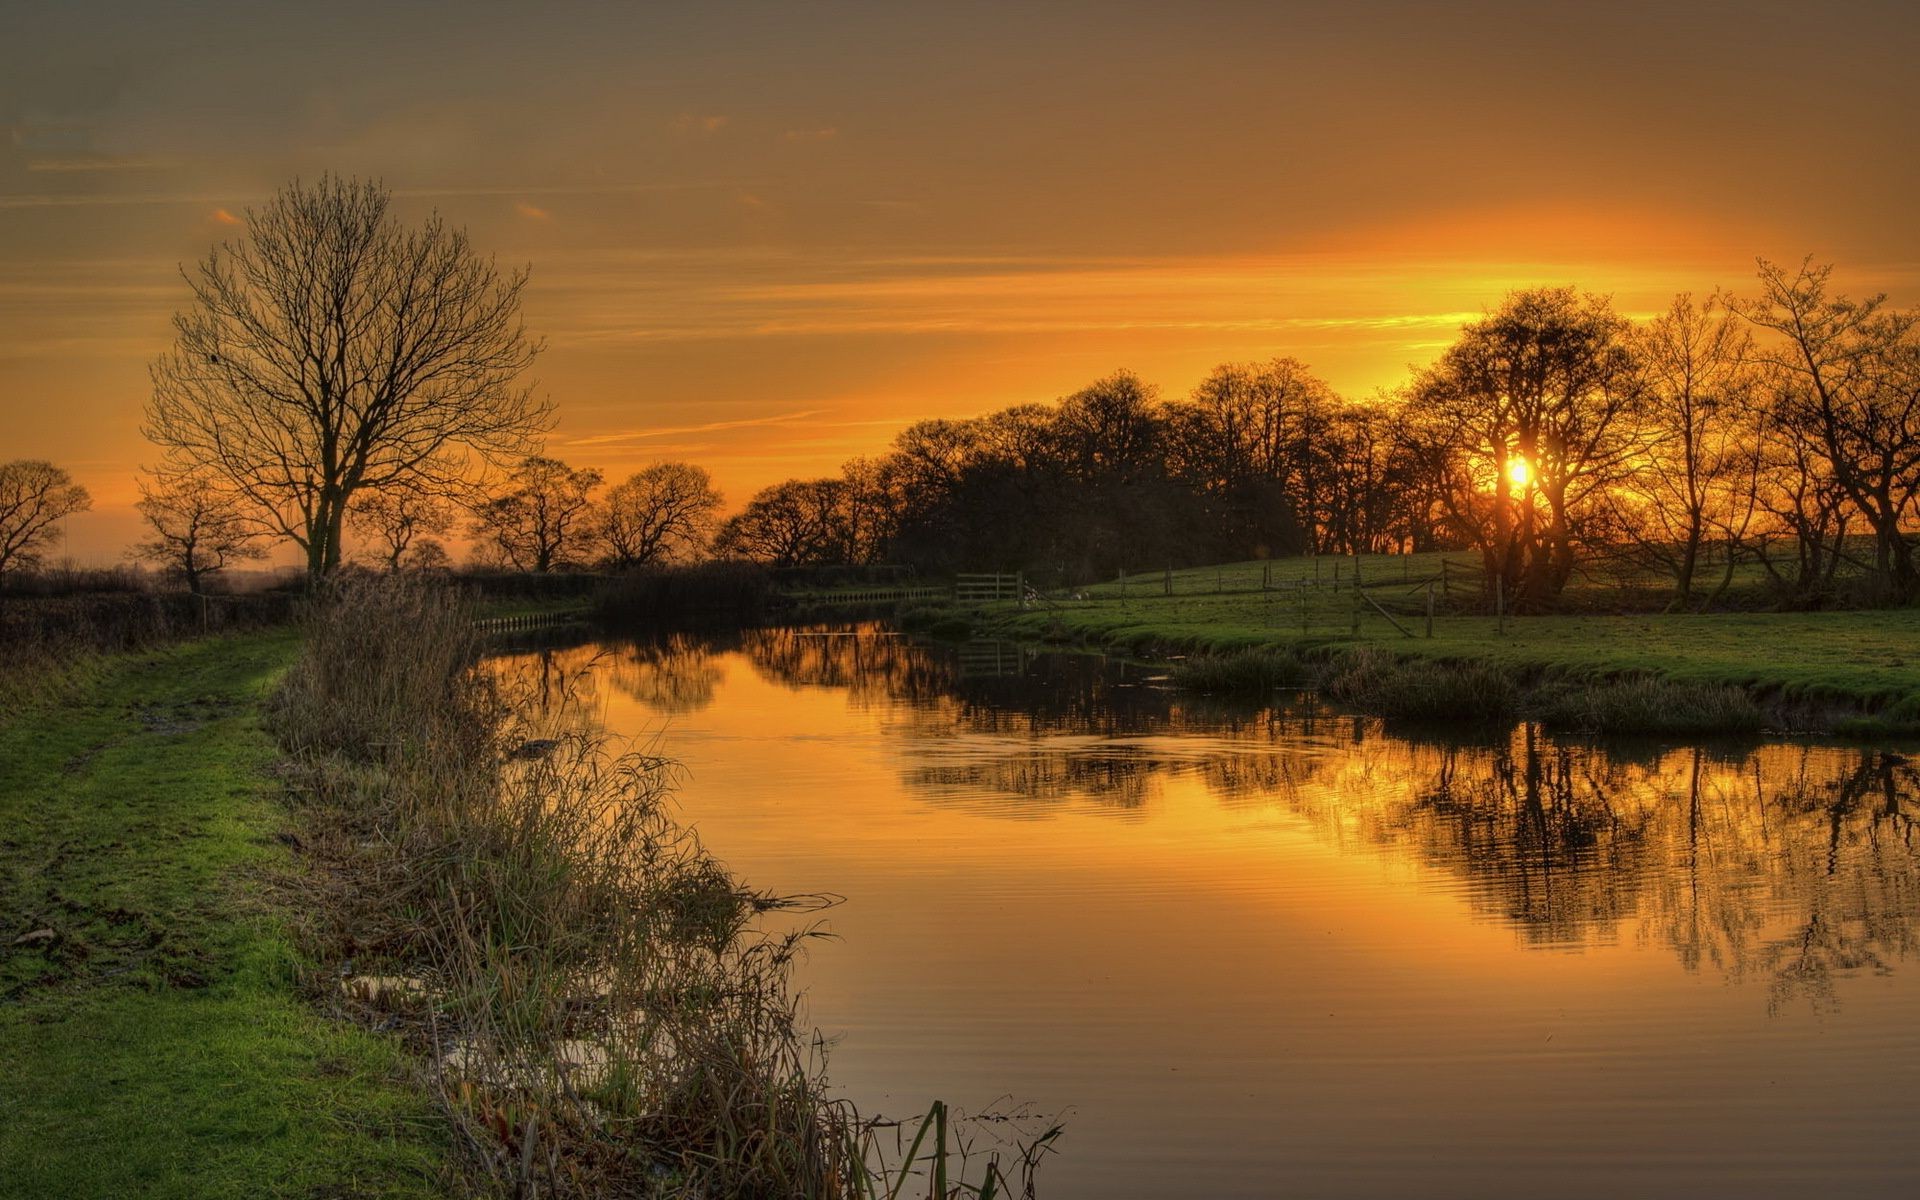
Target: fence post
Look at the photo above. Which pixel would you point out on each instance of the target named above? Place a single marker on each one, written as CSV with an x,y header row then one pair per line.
x,y
1303,607
1356,608
1446,582
1429,608
1168,582
1500,602
1123,583
1336,572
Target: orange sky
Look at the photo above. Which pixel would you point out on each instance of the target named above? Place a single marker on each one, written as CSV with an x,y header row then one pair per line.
x,y
764,237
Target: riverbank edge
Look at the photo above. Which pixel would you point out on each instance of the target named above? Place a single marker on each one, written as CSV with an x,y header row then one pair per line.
x,y
1541,684
152,1014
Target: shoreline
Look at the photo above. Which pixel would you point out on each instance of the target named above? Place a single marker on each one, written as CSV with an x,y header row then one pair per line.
x,y
1854,674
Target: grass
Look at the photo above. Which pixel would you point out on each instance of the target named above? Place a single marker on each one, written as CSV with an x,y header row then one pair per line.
x,y
606,1016
157,1042
1856,664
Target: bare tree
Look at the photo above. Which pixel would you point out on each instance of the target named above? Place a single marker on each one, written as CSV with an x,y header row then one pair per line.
x,y
35,496
663,512
1694,479
546,519
1851,375
395,522
199,528
334,350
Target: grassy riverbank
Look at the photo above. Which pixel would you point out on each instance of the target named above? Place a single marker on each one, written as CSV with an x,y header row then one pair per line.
x,y
154,1037
1862,667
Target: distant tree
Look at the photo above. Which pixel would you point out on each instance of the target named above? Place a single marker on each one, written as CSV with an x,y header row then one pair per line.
x,y
796,523
427,554
396,521
1694,479
545,519
1534,408
663,512
35,496
199,528
1849,384
334,350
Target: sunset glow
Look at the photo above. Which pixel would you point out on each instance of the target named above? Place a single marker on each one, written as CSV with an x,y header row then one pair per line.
x,y
773,268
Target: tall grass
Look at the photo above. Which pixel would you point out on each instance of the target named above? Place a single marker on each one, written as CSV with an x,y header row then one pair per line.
x,y
1421,690
1248,672
604,1015
1649,706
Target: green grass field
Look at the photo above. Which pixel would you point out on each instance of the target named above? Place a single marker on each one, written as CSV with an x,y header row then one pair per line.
x,y
1868,659
153,1038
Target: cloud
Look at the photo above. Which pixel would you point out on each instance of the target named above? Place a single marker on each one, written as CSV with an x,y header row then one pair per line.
x,y
825,134
753,203
636,435
531,212
694,125
222,217
101,163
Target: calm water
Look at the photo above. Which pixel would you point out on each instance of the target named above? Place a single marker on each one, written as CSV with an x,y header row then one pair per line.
x,y
1255,952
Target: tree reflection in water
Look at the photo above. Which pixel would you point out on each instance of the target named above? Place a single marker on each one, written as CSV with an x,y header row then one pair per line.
x,y
1790,862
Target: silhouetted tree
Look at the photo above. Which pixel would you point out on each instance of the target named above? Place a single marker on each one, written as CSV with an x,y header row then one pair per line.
x,y
545,518
35,496
199,528
661,513
1549,381
791,524
1849,384
398,521
333,350
1695,477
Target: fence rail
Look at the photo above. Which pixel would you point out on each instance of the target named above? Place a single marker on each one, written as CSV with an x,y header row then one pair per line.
x,y
534,620
978,589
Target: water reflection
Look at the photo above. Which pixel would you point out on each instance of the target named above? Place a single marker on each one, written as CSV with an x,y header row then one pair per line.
x,y
1789,862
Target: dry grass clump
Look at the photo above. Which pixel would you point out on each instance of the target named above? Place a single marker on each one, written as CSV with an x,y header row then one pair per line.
x,y
603,1016
1422,691
1653,706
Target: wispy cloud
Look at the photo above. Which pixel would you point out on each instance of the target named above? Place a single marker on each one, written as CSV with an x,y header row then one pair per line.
x,y
696,125
646,433
78,165
531,212
222,217
824,134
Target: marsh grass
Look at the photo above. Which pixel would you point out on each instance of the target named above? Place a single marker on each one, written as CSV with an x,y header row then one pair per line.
x,y
1420,690
1645,705
603,1013
1246,672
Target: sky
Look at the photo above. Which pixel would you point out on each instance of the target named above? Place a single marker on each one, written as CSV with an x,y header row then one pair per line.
x,y
766,237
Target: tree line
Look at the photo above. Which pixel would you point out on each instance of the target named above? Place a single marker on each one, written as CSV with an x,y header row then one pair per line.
x,y
338,372
1781,429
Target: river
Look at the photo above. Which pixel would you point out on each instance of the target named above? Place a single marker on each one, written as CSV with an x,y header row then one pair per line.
x,y
1280,951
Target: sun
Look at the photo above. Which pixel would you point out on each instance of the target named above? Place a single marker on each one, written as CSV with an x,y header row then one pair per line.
x,y
1519,471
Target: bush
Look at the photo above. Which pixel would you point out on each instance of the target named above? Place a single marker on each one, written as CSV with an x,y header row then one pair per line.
x,y
735,592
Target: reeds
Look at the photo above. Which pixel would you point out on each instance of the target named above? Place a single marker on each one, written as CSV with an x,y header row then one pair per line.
x,y
1652,706
1423,691
602,1012
1245,673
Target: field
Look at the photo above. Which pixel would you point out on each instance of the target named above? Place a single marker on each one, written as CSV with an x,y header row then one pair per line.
x,y
155,1039
1867,660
